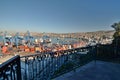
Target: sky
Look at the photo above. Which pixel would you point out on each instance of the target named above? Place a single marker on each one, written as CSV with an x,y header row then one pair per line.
x,y
58,16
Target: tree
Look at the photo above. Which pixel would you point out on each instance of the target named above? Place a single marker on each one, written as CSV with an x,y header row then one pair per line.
x,y
116,26
116,35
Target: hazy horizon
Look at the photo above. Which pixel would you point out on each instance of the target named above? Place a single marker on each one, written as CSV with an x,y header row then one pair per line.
x,y
53,32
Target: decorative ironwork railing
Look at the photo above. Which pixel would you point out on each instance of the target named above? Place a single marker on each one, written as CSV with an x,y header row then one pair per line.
x,y
44,66
11,70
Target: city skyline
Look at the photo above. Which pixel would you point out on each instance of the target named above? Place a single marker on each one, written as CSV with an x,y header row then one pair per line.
x,y
58,16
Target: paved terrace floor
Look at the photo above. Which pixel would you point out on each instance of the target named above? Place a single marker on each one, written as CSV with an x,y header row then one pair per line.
x,y
94,71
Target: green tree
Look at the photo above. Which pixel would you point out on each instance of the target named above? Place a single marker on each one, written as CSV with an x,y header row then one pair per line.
x,y
116,26
116,41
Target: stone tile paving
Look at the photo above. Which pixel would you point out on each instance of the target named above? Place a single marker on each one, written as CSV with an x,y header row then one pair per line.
x,y
94,71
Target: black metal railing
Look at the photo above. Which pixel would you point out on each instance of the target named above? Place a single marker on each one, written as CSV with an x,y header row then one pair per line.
x,y
45,66
42,66
108,53
75,60
11,69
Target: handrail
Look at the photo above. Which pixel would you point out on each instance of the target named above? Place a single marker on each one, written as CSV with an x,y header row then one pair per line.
x,y
8,62
13,67
56,51
40,63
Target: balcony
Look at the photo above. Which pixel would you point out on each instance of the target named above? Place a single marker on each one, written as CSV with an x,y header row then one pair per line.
x,y
61,65
98,70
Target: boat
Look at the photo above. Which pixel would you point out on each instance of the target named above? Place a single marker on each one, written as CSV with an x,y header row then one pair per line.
x,y
46,39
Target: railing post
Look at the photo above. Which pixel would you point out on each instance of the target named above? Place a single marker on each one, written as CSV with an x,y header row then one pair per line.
x,y
18,69
11,69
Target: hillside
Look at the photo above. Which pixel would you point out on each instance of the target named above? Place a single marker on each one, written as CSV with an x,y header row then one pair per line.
x,y
75,35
